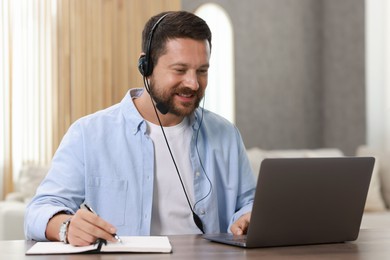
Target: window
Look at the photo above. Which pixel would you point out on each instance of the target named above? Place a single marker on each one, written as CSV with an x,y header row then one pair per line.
x,y
26,70
378,73
219,96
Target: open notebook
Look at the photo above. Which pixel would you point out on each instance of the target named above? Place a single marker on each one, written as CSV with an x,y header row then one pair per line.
x,y
130,244
306,201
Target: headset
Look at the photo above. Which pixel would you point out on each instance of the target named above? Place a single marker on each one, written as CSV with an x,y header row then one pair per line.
x,y
145,67
145,64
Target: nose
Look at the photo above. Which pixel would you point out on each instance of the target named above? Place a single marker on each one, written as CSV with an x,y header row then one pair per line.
x,y
191,80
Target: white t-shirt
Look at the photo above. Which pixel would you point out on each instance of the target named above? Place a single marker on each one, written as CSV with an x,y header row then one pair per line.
x,y
171,213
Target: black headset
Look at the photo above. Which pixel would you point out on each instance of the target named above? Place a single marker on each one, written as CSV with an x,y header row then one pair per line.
x,y
145,63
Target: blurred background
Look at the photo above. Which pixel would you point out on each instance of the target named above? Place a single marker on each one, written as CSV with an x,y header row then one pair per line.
x,y
291,74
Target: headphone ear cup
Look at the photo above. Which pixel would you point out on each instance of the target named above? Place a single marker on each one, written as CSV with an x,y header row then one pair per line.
x,y
142,65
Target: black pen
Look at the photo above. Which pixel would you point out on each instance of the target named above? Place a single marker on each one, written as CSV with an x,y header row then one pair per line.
x,y
91,210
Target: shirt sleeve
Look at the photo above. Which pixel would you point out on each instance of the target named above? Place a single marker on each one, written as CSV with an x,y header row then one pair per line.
x,y
63,187
246,183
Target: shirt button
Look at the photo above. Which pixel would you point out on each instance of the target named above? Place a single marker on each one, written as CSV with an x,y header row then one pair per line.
x,y
197,174
202,212
135,131
146,216
148,177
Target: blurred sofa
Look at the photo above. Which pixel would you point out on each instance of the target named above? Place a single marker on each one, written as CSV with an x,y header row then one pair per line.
x,y
377,210
13,206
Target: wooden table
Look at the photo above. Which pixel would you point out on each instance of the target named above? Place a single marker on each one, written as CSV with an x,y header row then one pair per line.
x,y
371,244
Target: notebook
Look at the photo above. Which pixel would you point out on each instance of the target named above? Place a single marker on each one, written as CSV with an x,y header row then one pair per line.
x,y
129,244
301,201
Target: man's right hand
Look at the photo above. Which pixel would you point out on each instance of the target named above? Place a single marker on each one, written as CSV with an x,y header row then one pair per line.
x,y
84,228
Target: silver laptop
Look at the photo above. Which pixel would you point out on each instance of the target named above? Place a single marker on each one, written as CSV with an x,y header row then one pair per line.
x,y
301,201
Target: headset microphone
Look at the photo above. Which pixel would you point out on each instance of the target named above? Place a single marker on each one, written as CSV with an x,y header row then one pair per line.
x,y
159,105
162,108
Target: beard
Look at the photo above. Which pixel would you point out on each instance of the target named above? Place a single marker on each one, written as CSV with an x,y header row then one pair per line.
x,y
167,97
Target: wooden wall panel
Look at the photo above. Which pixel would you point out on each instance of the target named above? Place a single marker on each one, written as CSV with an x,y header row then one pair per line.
x,y
99,42
61,95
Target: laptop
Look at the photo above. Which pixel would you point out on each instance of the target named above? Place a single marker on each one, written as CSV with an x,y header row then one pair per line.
x,y
302,201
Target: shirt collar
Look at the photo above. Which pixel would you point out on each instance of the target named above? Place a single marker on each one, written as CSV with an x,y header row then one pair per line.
x,y
133,118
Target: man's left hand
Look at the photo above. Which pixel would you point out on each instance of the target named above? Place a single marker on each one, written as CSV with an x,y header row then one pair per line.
x,y
240,227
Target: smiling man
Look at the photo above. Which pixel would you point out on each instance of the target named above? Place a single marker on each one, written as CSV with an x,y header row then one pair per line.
x,y
179,80
154,164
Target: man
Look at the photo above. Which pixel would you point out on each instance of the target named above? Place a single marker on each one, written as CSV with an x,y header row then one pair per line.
x,y
144,170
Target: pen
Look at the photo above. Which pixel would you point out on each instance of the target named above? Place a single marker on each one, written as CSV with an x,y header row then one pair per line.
x,y
91,210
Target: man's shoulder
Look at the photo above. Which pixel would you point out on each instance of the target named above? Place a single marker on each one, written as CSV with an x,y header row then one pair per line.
x,y
213,118
113,112
106,113
107,116
216,125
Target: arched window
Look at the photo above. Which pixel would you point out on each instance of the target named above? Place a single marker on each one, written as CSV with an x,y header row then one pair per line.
x,y
378,73
220,90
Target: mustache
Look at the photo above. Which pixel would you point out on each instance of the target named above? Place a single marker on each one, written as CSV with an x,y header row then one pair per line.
x,y
188,91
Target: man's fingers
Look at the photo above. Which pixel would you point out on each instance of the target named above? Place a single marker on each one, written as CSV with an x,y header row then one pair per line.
x,y
99,227
240,227
86,227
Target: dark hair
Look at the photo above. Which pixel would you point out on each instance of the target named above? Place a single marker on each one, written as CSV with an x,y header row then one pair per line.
x,y
177,24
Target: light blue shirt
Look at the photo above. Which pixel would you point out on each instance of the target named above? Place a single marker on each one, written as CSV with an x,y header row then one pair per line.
x,y
107,160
